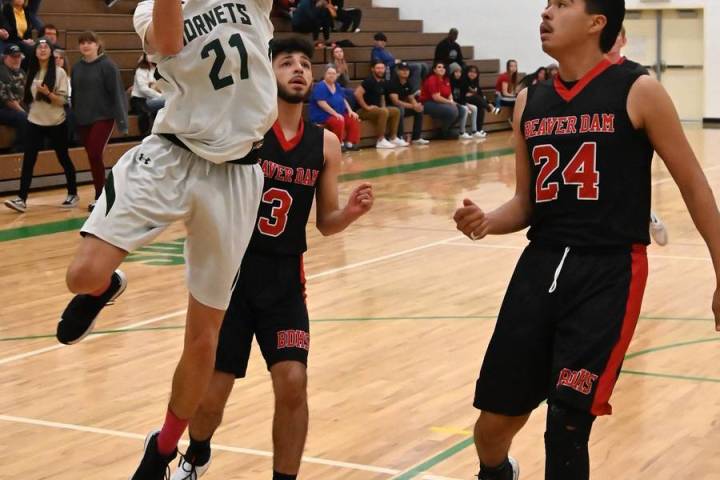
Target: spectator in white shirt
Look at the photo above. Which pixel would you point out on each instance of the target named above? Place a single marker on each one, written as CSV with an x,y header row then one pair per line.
x,y
145,99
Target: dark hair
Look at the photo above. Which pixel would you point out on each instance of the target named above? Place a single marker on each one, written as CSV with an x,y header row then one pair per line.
x,y
376,62
291,45
34,68
47,27
66,64
143,62
380,36
513,77
91,37
435,64
614,12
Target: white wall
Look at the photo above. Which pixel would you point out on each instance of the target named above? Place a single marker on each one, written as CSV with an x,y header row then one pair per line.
x,y
512,31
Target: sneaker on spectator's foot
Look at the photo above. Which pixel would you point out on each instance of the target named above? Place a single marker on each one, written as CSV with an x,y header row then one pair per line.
x,y
91,207
658,230
17,204
352,147
110,3
70,201
384,144
421,141
465,136
399,142
494,110
188,469
153,465
480,134
79,317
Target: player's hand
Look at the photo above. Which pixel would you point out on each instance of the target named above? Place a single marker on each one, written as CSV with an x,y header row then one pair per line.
x,y
716,308
471,220
361,200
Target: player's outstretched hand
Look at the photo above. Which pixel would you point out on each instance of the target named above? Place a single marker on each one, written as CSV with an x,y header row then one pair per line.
x,y
471,220
361,200
716,308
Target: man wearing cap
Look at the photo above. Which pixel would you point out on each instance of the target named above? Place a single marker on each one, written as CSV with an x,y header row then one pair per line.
x,y
402,96
418,70
12,90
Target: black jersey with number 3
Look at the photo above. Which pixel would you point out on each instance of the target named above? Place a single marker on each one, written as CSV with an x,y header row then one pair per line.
x,y
292,170
590,166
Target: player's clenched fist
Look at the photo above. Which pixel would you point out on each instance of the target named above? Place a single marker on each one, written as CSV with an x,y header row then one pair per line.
x,y
471,220
361,199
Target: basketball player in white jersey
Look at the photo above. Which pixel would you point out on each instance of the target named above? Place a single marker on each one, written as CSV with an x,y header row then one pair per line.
x,y
658,231
199,166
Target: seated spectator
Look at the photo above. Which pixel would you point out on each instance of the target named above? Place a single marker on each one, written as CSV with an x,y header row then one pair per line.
x,y
458,84
19,21
330,109
110,3
341,66
12,92
436,97
371,99
506,86
145,99
349,18
61,61
418,70
448,51
553,70
50,32
540,75
401,95
473,94
283,8
46,90
312,16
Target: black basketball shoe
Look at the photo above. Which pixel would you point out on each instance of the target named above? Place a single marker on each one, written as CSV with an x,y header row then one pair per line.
x,y
78,319
153,465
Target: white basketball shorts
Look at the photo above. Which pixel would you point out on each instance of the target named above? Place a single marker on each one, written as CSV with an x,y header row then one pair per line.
x,y
157,183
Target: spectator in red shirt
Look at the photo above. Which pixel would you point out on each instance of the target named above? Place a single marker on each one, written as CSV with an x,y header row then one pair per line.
x,y
436,97
506,86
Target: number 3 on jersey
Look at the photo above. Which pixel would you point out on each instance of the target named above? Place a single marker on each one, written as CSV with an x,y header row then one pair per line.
x,y
281,201
581,171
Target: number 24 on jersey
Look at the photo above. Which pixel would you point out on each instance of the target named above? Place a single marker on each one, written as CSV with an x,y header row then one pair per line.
x,y
581,171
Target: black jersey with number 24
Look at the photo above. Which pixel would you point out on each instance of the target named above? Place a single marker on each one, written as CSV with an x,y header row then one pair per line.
x,y
292,170
590,166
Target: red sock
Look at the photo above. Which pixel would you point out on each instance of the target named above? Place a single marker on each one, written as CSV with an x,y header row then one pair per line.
x,y
170,434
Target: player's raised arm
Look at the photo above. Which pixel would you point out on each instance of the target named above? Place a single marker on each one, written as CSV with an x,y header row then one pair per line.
x,y
514,215
164,34
651,108
331,219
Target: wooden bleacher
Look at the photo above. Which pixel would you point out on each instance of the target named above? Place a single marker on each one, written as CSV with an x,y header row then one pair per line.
x,y
406,41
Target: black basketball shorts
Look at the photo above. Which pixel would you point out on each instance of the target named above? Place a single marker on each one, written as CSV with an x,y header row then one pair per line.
x,y
564,327
268,302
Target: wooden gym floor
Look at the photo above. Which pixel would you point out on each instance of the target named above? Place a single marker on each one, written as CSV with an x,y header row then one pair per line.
x,y
402,309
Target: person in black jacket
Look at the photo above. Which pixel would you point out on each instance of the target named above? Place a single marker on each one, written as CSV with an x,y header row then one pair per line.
x,y
448,51
349,18
20,26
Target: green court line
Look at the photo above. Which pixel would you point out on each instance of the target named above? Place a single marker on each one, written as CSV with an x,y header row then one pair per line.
x,y
75,223
389,319
41,229
672,377
431,462
414,167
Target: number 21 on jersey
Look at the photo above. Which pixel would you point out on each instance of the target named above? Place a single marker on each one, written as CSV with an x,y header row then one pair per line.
x,y
281,201
581,171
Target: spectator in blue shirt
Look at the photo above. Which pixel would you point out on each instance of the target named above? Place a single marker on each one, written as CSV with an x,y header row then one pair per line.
x,y
418,70
330,109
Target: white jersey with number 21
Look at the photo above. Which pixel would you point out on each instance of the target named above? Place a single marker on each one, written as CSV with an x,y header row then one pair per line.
x,y
220,90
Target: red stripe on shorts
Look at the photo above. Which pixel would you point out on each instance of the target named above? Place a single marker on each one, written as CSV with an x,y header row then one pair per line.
x,y
601,405
302,277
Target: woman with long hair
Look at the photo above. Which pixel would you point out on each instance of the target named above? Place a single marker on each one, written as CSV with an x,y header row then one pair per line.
x,y
98,102
145,99
46,93
438,102
506,85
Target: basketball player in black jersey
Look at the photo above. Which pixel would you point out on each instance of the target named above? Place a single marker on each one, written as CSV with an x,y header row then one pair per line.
x,y
584,146
300,161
